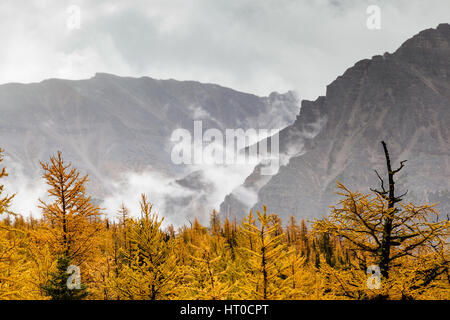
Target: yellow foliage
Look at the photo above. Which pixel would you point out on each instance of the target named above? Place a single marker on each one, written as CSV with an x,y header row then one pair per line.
x,y
131,256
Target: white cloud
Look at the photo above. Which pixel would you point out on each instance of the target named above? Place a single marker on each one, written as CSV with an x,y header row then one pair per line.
x,y
155,185
254,46
28,190
167,195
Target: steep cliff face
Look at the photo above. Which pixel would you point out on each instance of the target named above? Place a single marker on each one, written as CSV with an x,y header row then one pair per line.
x,y
402,98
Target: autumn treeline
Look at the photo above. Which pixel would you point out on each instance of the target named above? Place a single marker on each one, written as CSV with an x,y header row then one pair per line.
x,y
130,255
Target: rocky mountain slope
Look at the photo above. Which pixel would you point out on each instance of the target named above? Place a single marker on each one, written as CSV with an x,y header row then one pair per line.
x,y
107,125
402,98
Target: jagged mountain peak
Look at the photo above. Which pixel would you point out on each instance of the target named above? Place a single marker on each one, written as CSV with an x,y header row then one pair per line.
x,y
402,98
427,39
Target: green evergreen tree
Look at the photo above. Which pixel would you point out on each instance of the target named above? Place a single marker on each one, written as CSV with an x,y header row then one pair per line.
x,y
57,287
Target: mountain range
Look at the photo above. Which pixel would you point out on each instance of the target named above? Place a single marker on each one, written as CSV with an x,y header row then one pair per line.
x,y
109,125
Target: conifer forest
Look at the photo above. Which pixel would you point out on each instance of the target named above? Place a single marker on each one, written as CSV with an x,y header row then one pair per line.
x,y
368,246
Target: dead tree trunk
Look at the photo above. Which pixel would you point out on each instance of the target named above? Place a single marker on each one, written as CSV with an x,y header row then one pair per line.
x,y
389,195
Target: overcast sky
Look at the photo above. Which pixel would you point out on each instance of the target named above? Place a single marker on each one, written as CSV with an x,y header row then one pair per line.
x,y
256,46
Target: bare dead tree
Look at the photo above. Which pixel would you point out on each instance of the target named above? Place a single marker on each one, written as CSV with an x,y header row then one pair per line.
x,y
392,199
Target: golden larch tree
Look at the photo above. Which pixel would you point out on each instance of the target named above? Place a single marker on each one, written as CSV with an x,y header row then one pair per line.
x,y
380,230
71,217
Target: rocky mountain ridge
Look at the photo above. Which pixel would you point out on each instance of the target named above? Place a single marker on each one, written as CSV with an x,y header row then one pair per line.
x,y
402,98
